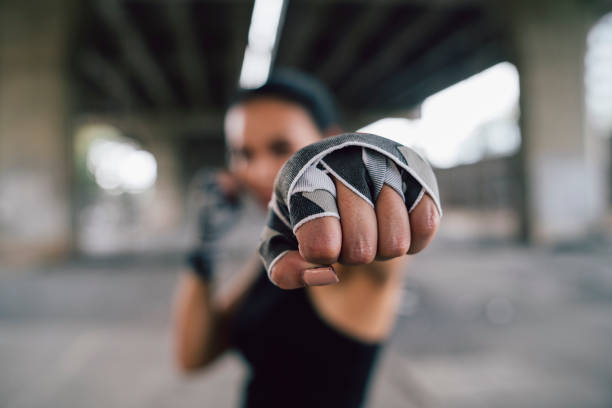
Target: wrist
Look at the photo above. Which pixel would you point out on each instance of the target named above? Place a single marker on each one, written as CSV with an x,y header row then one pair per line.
x,y
201,263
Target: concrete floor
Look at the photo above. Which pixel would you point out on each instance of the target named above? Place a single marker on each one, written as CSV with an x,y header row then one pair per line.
x,y
495,326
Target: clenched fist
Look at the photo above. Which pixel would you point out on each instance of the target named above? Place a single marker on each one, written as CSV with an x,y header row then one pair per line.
x,y
351,199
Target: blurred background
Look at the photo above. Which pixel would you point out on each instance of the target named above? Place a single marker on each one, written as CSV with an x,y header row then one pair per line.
x,y
109,108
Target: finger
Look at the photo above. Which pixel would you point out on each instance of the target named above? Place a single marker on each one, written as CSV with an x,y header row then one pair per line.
x,y
393,224
424,221
320,240
292,272
358,223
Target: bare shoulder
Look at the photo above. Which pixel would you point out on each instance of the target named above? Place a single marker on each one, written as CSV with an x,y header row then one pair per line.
x,y
364,304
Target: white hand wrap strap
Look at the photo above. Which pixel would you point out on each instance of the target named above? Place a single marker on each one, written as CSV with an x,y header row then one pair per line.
x,y
304,190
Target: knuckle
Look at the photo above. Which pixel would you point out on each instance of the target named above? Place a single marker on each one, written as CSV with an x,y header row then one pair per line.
x,y
427,224
432,220
280,278
395,246
322,251
320,240
359,253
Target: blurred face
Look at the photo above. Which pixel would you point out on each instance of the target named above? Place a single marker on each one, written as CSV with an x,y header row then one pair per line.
x,y
261,135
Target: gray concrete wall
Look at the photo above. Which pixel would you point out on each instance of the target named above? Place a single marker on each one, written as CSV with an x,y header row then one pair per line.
x,y
34,148
565,165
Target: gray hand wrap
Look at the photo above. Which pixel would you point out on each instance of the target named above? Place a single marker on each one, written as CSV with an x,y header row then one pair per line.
x,y
304,191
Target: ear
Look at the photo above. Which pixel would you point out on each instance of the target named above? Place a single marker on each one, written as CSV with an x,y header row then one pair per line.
x,y
332,130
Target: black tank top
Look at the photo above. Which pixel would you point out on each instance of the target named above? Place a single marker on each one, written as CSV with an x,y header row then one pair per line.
x,y
297,359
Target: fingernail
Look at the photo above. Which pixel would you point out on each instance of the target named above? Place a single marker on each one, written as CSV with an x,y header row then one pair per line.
x,y
320,276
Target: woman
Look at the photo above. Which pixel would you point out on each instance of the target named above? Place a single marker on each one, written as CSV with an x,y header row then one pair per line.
x,y
314,346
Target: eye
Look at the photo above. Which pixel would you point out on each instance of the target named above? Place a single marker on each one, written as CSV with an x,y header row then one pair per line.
x,y
280,148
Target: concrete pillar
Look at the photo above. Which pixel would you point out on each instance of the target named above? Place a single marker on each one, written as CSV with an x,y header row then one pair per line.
x,y
35,158
564,164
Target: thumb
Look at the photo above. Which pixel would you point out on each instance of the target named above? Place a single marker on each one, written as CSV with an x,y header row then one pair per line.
x,y
291,271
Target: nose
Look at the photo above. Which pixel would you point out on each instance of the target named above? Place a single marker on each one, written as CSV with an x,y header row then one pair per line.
x,y
261,171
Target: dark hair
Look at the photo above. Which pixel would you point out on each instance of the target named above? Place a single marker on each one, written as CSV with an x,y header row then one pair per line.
x,y
298,88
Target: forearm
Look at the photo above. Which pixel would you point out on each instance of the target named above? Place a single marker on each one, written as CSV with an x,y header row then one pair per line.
x,y
197,336
201,317
364,303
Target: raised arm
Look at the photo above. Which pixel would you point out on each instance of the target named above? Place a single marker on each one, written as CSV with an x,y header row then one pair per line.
x,y
339,205
201,316
201,319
